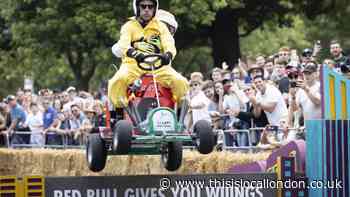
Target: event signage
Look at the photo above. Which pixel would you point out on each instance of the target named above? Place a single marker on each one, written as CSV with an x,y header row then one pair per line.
x,y
218,185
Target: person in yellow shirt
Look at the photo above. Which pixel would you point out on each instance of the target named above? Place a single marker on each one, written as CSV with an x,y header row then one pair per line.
x,y
142,35
163,16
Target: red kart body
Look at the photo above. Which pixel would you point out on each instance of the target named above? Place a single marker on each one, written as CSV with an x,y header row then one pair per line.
x,y
147,90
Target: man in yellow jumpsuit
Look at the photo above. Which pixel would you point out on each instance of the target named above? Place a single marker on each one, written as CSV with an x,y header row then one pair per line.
x,y
140,36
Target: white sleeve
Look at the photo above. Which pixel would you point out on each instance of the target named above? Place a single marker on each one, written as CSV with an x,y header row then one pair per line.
x,y
272,95
225,102
116,50
317,91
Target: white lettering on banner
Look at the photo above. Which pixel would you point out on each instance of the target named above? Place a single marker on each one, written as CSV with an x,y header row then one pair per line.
x,y
189,191
233,192
102,192
175,191
143,192
66,193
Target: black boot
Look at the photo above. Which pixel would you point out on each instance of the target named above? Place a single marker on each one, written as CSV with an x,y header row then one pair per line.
x,y
116,115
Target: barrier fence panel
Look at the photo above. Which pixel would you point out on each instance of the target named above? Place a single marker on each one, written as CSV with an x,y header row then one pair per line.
x,y
9,186
167,185
245,142
65,143
283,181
34,186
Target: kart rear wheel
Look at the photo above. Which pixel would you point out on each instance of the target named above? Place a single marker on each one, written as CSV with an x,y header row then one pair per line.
x,y
172,157
96,152
122,136
205,139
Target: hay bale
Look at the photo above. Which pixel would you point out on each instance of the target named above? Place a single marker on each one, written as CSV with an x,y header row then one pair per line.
x,y
48,162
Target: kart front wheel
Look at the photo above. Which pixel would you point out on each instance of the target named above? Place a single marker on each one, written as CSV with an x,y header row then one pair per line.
x,y
172,157
205,139
122,136
96,152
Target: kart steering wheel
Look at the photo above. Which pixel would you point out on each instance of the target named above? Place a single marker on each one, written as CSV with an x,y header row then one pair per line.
x,y
151,62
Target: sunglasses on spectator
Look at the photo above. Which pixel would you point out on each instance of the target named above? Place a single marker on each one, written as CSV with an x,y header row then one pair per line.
x,y
247,90
283,54
194,84
149,6
307,73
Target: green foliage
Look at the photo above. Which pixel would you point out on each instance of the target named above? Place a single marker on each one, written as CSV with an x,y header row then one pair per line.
x,y
270,38
58,41
202,12
63,42
330,27
193,59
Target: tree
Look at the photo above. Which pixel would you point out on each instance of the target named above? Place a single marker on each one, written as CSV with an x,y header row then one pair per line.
x,y
269,38
77,32
46,37
222,23
331,25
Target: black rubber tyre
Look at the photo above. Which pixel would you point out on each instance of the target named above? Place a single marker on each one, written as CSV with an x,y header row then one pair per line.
x,y
205,139
122,137
96,153
172,158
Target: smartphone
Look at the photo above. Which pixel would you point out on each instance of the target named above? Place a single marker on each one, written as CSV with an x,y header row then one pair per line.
x,y
293,84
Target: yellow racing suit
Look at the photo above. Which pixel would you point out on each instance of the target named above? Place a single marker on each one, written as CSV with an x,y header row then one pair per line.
x,y
156,35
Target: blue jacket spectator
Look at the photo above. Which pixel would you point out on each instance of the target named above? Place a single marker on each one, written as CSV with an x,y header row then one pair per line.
x,y
18,119
49,117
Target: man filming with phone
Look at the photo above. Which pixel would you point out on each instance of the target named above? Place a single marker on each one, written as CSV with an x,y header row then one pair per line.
x,y
306,96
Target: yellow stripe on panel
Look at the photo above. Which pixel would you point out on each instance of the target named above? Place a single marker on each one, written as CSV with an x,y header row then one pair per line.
x,y
332,96
344,105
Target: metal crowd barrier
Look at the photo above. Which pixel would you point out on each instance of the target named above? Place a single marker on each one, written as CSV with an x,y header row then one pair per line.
x,y
64,138
221,140
249,132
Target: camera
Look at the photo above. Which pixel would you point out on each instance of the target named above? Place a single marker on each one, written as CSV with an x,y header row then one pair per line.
x,y
307,52
293,84
344,67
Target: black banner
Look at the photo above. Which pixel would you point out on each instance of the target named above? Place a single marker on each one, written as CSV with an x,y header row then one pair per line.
x,y
222,185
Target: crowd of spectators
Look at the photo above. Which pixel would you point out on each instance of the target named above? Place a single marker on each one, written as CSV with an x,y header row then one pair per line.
x,y
276,92
51,118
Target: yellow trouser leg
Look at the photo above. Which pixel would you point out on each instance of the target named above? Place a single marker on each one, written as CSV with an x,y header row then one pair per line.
x,y
168,77
117,86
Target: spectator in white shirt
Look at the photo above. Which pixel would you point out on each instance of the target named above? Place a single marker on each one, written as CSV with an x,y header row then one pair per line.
x,y
198,102
270,100
306,97
36,125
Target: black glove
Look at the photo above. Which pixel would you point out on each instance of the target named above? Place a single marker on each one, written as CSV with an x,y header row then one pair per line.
x,y
139,57
166,58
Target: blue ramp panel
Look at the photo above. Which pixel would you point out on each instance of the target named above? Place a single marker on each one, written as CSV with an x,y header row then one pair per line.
x,y
335,90
328,153
314,154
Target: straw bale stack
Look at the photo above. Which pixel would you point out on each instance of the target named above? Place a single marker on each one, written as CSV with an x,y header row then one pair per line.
x,y
72,163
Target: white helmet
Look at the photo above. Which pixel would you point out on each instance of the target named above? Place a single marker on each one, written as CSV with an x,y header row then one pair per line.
x,y
167,17
136,8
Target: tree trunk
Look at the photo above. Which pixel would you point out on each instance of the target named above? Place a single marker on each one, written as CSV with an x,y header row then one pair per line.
x,y
225,38
82,72
82,84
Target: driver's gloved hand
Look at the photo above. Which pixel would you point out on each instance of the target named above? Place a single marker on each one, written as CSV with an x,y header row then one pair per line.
x,y
166,58
139,57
